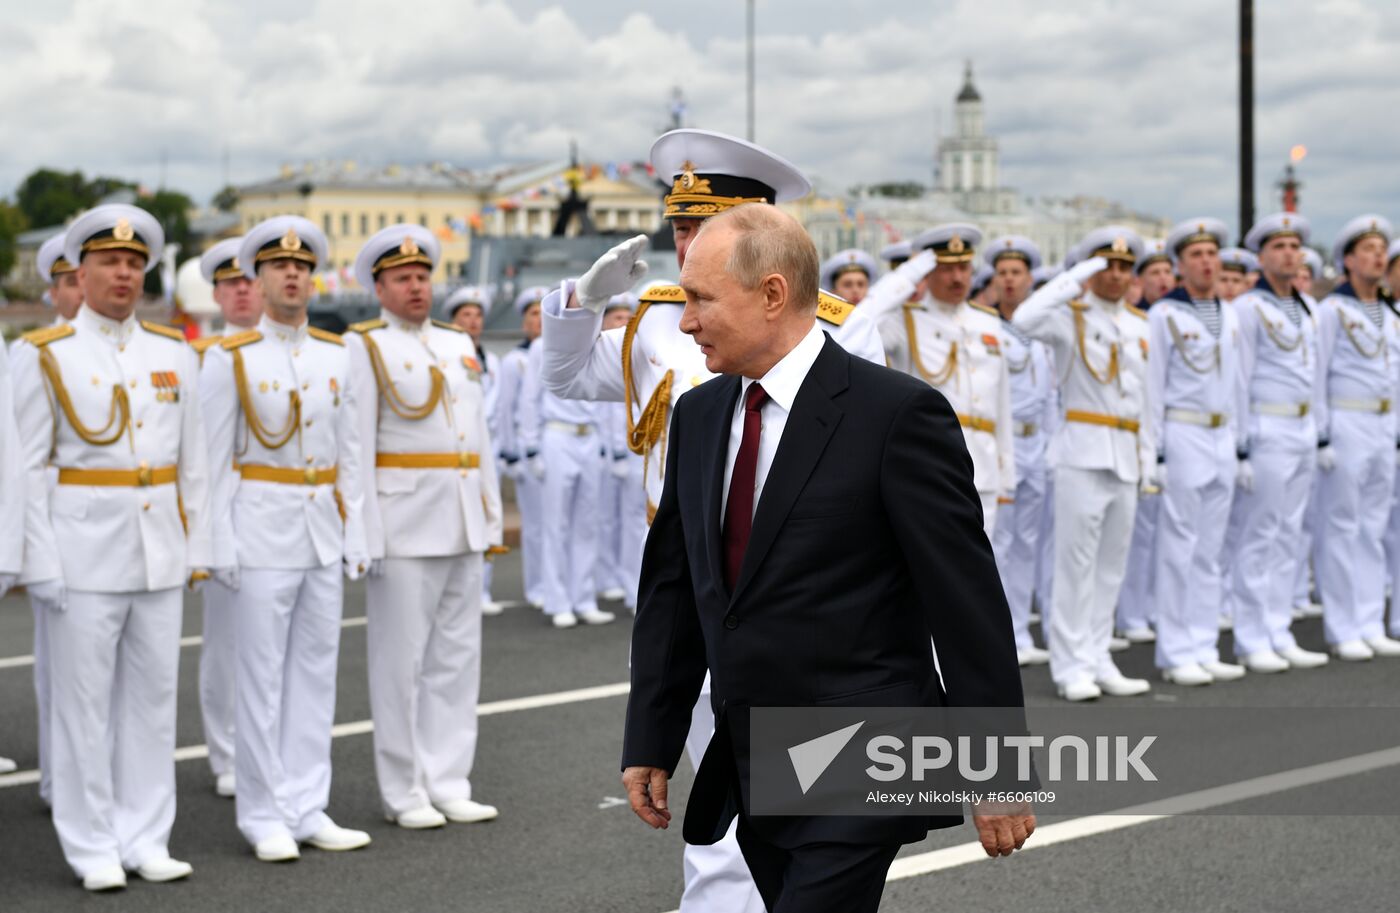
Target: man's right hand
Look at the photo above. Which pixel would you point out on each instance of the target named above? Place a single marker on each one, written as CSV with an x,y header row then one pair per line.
x,y
612,274
646,790
51,594
228,576
1083,272
917,267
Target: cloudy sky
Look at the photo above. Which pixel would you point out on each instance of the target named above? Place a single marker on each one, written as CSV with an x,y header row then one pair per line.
x,y
1128,100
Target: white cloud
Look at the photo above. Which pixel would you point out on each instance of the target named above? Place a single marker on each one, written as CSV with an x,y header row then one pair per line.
x,y
1131,101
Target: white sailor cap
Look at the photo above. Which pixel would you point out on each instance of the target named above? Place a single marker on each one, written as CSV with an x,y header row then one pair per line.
x,y
1191,231
896,253
847,261
532,295
1154,250
624,300
398,245
1239,260
50,259
115,226
1360,227
1045,273
1313,261
955,242
1280,224
463,296
1112,242
711,172
220,262
282,238
981,277
1018,247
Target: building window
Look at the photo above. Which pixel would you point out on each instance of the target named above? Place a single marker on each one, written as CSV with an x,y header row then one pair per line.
x,y
344,224
383,220
399,219
364,223
423,219
326,222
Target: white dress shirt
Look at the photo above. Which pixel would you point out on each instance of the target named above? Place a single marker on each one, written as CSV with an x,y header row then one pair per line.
x,y
781,383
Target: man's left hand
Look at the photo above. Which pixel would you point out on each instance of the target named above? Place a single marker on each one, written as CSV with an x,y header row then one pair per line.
x,y
1001,835
646,790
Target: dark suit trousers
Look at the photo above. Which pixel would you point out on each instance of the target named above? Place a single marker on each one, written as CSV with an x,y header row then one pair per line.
x,y
817,877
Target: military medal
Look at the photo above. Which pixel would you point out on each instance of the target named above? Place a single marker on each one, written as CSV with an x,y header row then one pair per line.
x,y
167,385
335,390
473,368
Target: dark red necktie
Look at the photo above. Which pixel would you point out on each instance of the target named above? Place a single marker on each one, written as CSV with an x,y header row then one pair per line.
x,y
738,511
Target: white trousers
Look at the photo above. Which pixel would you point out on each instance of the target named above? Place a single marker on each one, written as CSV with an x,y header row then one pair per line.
x,y
1263,565
1353,512
1135,600
1045,552
288,640
1195,509
529,493
1093,521
1016,543
115,659
217,658
632,529
989,512
570,504
606,572
424,646
717,879
1392,558
1303,580
43,701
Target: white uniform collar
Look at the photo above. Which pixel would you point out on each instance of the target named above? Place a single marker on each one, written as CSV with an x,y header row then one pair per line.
x,y
943,307
274,330
117,332
398,323
1103,303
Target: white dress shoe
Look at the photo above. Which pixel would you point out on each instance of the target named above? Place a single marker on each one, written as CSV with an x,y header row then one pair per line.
x,y
112,878
1383,646
7,766
278,848
1033,618
1191,674
225,785
492,607
1224,672
596,617
1265,662
1032,656
536,604
418,819
1353,651
1312,610
1226,623
1117,644
613,594
1298,613
1122,686
1080,691
465,811
1140,635
336,839
563,620
1299,658
164,869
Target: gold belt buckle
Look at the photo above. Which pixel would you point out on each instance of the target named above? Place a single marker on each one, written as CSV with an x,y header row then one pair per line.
x,y
310,475
464,460
1302,409
1216,419
1385,406
143,474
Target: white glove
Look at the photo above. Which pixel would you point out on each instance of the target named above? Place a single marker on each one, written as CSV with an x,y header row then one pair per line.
x,y
51,594
917,267
228,576
1244,476
619,468
376,567
1326,458
612,274
1086,270
1155,479
7,581
536,466
355,567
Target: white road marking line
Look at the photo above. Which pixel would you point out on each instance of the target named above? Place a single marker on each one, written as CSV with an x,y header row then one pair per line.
x,y
1092,825
20,662
360,727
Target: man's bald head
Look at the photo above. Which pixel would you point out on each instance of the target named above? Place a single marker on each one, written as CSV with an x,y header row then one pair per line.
x,y
750,281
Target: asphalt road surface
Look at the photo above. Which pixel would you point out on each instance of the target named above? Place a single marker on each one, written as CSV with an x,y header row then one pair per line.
x,y
567,842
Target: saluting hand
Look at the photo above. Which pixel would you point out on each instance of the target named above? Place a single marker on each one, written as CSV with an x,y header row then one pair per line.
x,y
646,790
612,274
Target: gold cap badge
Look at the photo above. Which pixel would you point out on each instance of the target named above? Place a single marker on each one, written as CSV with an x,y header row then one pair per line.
x,y
122,231
290,241
687,175
1120,245
409,247
955,244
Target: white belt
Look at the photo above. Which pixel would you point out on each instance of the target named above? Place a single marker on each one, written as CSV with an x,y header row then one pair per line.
x,y
1374,406
1025,429
1283,410
1204,419
578,430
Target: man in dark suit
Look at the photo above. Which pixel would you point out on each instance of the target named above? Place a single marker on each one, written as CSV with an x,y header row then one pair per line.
x,y
818,525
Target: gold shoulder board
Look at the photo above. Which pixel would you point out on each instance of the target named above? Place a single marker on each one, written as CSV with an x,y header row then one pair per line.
x,y
448,326
325,336
161,329
205,343
664,294
984,309
1136,312
46,335
364,326
833,309
240,339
